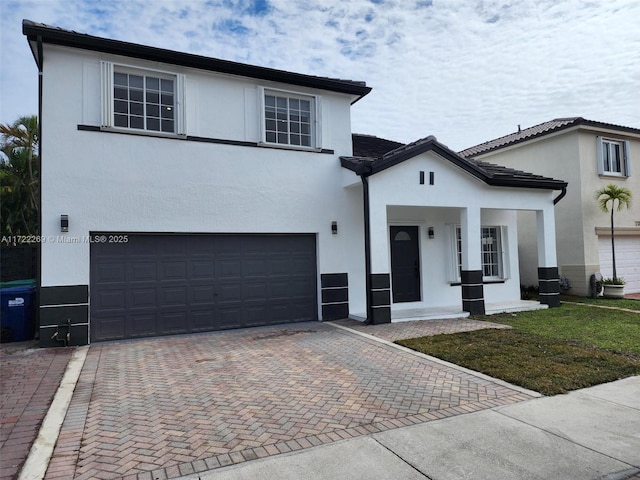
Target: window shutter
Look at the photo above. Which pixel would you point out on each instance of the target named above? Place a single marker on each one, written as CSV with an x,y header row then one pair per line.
x,y
599,156
106,92
627,158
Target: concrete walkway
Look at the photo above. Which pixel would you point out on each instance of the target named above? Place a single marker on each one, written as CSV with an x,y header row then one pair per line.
x,y
592,433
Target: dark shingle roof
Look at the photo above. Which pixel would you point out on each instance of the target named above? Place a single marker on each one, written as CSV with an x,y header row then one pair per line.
x,y
70,38
540,130
372,146
489,173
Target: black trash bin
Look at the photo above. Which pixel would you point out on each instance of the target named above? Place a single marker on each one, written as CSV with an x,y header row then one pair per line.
x,y
17,315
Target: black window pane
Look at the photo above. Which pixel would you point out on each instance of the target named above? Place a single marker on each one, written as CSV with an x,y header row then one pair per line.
x,y
153,124
120,120
270,101
281,102
295,139
153,97
295,128
137,122
136,108
120,106
271,137
167,126
306,140
167,112
120,92
282,138
136,95
153,83
120,78
135,81
166,85
304,128
166,99
294,104
270,125
153,111
282,126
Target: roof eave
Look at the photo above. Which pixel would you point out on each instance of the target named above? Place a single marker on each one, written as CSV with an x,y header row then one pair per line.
x,y
116,47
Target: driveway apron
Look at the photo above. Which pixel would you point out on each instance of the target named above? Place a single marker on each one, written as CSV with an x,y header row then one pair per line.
x,y
164,407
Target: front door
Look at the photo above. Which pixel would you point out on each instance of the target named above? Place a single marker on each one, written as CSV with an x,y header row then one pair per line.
x,y
405,264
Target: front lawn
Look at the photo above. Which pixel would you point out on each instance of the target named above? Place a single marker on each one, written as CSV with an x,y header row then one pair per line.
x,y
550,351
604,302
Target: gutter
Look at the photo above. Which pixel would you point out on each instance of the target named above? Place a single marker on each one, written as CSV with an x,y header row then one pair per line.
x,y
40,60
561,196
367,245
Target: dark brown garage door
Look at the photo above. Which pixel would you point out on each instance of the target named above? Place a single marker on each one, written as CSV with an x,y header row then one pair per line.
x,y
168,284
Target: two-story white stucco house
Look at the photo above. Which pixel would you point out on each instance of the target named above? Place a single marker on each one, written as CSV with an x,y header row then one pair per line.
x,y
182,194
589,155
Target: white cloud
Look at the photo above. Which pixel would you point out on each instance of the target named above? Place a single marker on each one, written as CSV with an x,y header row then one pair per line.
x,y
465,71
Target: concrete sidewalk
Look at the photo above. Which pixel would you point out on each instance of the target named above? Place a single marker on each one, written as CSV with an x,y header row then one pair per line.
x,y
592,433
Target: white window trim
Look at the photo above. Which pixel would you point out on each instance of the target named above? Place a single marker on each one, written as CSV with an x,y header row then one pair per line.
x,y
625,166
503,266
107,70
316,137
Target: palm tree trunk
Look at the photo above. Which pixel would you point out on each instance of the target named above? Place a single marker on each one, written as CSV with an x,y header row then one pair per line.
x,y
613,247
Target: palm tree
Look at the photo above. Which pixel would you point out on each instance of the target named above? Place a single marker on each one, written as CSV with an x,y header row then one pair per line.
x,y
612,193
19,147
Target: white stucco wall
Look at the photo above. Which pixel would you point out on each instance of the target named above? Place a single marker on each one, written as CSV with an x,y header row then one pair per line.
x,y
133,183
397,198
570,156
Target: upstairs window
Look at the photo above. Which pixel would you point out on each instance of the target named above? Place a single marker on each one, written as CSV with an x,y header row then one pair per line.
x,y
138,99
613,157
290,119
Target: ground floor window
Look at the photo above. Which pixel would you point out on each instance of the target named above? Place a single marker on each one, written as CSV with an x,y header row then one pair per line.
x,y
492,252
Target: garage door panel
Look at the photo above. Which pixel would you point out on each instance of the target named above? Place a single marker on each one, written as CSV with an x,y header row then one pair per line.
x,y
110,299
143,271
142,325
627,260
174,322
202,269
165,284
174,296
115,273
142,298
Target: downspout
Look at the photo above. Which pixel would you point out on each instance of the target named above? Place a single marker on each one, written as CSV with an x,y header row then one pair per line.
x,y
561,196
39,263
367,244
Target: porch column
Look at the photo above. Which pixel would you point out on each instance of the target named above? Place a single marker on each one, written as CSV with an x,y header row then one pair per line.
x,y
471,274
548,278
380,279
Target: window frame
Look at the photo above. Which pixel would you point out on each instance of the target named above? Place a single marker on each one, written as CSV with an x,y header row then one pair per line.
x,y
624,160
315,120
109,69
500,253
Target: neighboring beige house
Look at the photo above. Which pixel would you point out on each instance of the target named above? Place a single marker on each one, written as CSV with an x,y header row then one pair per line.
x,y
588,155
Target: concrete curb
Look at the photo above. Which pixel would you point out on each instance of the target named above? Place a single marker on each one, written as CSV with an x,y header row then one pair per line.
x,y
41,451
441,362
606,307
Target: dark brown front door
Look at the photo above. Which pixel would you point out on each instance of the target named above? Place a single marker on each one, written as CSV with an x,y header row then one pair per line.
x,y
405,264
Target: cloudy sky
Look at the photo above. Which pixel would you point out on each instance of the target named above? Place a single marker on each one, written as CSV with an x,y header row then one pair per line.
x,y
465,71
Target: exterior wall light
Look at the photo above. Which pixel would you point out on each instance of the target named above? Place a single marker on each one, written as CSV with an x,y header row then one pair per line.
x,y
430,232
64,223
334,227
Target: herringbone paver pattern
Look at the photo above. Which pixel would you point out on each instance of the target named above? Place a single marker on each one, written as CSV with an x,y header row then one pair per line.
x,y
165,407
29,380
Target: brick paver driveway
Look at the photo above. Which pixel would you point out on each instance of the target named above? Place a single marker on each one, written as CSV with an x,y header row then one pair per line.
x,y
164,407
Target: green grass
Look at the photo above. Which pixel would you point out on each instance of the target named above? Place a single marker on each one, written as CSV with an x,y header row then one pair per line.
x,y
605,302
550,351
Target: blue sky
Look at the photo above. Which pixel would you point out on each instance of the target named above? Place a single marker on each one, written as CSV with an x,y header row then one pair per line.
x,y
465,71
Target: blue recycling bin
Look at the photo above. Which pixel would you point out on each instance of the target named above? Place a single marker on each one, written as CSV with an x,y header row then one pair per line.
x,y
17,315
